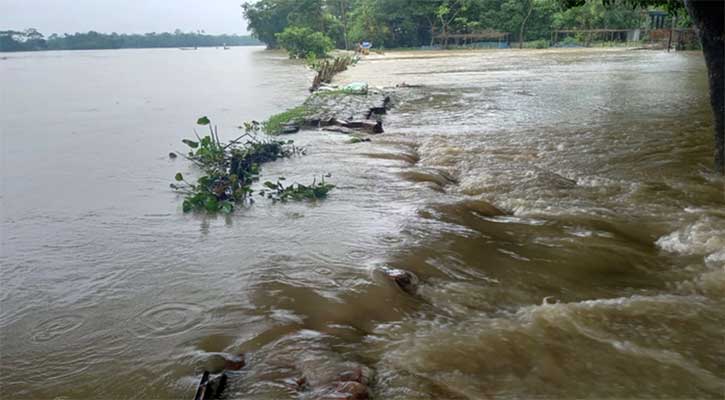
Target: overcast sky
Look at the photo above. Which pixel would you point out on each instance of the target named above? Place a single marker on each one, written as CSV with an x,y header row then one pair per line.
x,y
122,16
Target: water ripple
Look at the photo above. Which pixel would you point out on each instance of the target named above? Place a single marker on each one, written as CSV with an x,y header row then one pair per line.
x,y
169,319
56,327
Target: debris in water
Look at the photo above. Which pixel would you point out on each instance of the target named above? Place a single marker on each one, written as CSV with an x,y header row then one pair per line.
x,y
405,280
211,389
358,374
234,363
290,128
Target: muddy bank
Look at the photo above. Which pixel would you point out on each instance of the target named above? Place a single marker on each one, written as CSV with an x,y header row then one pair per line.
x,y
336,110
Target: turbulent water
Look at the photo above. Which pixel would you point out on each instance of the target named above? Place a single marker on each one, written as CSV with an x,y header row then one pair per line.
x,y
557,207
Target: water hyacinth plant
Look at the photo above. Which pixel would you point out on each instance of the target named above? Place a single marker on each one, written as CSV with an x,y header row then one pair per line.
x,y
296,191
230,169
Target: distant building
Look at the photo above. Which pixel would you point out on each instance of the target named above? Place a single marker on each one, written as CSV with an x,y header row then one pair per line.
x,y
657,19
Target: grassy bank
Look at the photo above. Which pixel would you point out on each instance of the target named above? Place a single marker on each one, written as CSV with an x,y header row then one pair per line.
x,y
326,69
296,115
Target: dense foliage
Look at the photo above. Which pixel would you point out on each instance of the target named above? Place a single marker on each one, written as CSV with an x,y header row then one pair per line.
x,y
31,39
301,42
414,23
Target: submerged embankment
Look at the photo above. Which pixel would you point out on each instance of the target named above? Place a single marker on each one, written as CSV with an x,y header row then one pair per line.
x,y
557,208
600,270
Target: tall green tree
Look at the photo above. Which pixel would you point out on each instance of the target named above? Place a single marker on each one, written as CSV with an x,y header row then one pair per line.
x,y
367,24
527,7
267,18
595,14
447,12
340,10
302,42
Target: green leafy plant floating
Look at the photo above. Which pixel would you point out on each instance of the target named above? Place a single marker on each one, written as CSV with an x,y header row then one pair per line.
x,y
296,191
228,169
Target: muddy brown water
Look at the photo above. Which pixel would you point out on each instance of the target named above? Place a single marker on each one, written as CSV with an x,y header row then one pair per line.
x,y
558,208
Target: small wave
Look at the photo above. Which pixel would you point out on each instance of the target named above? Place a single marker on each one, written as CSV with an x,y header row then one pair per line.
x,y
710,283
548,309
715,259
611,338
635,307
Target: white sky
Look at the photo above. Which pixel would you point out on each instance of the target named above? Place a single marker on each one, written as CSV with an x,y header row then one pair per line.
x,y
123,16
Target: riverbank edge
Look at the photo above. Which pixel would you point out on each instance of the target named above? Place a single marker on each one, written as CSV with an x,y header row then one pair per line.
x,y
302,116
313,114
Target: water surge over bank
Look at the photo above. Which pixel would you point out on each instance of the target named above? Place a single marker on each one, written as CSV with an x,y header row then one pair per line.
x,y
556,207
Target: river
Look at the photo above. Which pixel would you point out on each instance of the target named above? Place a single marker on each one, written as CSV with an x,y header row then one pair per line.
x,y
605,278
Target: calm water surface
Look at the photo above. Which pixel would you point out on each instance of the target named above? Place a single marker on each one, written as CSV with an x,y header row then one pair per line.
x,y
605,278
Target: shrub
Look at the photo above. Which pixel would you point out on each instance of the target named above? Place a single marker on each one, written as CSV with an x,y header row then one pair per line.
x,y
537,44
569,41
304,42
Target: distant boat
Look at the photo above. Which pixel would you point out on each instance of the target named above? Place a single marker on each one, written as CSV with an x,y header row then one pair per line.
x,y
225,46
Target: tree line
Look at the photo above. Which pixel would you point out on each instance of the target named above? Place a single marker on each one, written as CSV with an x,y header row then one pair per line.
x,y
415,23
32,40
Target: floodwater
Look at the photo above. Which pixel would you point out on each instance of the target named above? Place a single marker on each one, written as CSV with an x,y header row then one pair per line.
x,y
557,206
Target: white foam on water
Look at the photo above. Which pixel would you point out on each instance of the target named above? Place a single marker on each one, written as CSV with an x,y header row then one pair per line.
x,y
704,237
553,310
715,259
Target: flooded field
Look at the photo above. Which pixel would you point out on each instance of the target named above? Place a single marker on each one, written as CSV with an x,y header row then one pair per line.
x,y
557,208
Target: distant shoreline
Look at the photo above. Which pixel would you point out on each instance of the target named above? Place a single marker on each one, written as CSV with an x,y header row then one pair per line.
x,y
189,48
32,40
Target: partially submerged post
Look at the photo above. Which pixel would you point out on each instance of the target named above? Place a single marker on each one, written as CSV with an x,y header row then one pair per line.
x,y
211,389
669,38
